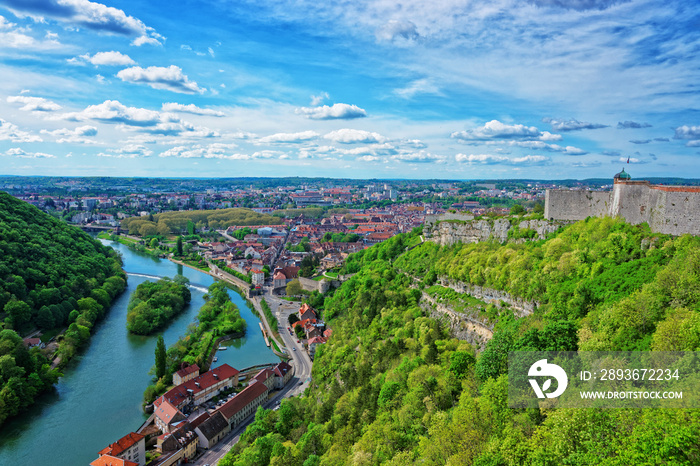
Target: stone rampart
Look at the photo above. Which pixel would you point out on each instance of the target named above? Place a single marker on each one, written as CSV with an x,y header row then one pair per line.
x,y
673,210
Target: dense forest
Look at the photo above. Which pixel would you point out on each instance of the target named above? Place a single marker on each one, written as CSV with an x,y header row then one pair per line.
x,y
391,386
154,304
217,318
169,223
52,276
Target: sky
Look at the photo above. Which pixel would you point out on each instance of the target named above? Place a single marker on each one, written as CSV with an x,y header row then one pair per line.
x,y
455,89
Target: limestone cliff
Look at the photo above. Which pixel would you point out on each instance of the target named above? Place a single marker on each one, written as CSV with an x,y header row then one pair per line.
x,y
451,231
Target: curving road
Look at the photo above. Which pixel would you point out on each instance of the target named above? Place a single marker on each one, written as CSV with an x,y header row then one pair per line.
x,y
300,361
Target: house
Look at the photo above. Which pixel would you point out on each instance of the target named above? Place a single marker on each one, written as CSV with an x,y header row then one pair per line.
x,y
131,448
212,430
237,409
306,312
283,372
166,415
279,280
183,441
32,342
109,460
314,342
185,374
201,388
267,377
257,277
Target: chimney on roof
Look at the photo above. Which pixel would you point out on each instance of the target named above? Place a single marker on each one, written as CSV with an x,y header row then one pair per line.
x,y
216,376
197,384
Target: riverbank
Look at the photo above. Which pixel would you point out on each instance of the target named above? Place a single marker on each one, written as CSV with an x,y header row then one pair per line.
x,y
110,374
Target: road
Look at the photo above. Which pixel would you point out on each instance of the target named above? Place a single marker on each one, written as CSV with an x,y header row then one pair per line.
x,y
301,362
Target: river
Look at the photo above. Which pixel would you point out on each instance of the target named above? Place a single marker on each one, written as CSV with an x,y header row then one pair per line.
x,y
98,400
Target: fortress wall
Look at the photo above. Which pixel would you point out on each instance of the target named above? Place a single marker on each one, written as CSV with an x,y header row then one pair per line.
x,y
675,213
575,205
631,201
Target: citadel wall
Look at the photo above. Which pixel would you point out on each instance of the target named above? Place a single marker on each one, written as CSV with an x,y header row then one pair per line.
x,y
672,210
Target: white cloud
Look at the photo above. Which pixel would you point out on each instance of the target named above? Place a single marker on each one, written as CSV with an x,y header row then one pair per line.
x,y
571,125
191,108
481,158
318,99
91,15
113,111
170,78
78,135
354,136
531,160
108,58
335,112
418,157
368,158
21,153
12,37
212,151
289,137
540,145
129,151
419,86
687,132
394,29
34,104
414,143
490,159
494,129
10,132
219,151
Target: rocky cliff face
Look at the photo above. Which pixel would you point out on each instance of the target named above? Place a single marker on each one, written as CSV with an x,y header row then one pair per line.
x,y
449,232
462,326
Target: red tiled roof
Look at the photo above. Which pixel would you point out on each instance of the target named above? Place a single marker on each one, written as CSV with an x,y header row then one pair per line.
x,y
122,444
165,411
317,340
243,399
263,375
188,370
279,276
107,460
281,369
178,394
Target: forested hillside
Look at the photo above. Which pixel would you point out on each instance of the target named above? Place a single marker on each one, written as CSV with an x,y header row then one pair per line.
x,y
52,275
392,387
169,223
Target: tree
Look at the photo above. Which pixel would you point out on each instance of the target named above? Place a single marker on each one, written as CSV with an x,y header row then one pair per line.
x,y
19,313
154,243
517,209
160,357
179,246
293,288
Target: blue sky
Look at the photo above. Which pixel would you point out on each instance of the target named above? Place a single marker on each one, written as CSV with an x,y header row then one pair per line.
x,y
455,89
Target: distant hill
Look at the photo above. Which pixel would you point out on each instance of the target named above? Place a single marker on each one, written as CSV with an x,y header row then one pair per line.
x,y
176,222
52,276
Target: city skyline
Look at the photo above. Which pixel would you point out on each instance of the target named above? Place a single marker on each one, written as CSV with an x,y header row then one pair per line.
x,y
547,89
